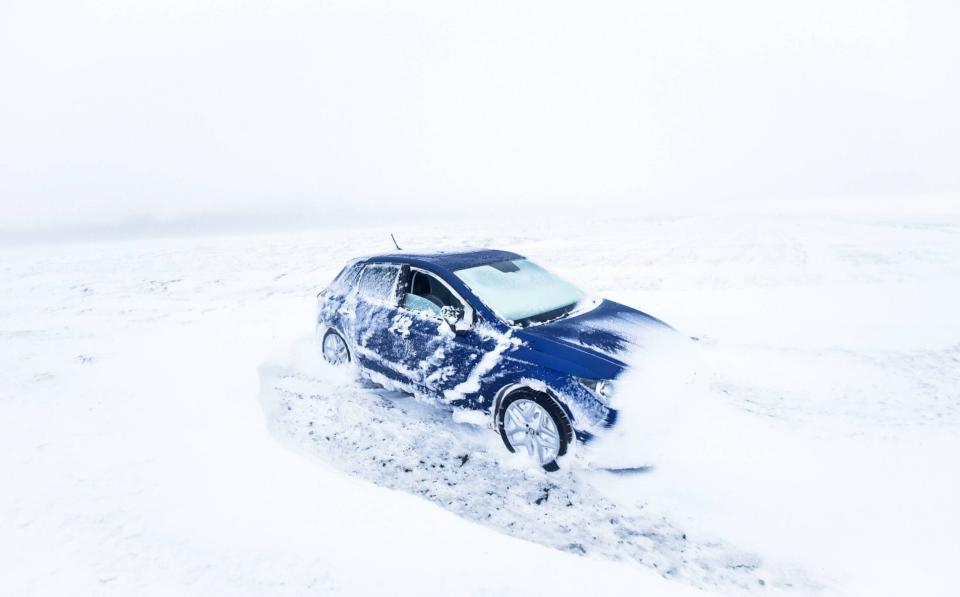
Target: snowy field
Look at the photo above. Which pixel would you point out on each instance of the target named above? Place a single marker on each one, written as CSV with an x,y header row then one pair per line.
x,y
167,426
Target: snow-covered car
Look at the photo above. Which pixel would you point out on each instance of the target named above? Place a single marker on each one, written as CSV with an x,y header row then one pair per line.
x,y
490,331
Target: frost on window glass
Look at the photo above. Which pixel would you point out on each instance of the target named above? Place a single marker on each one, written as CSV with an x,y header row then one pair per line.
x,y
418,303
346,280
379,282
520,289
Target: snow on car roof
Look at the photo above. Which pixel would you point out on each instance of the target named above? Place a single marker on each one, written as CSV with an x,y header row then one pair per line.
x,y
453,260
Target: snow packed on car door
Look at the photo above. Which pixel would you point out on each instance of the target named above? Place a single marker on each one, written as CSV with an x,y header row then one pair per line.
x,y
439,358
375,312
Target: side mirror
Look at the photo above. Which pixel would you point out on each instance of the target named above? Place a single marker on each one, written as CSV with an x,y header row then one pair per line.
x,y
454,316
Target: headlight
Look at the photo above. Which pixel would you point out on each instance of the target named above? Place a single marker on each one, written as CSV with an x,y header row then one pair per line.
x,y
601,387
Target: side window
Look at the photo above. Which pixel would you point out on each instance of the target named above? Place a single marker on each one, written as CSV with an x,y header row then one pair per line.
x,y
346,280
378,283
427,294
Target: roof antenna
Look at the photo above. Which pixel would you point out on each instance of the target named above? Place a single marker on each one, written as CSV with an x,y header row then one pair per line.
x,y
395,242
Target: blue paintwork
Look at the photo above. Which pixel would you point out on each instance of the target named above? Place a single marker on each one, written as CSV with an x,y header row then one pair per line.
x,y
426,356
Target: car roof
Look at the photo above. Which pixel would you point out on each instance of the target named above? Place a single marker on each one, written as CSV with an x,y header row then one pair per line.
x,y
450,261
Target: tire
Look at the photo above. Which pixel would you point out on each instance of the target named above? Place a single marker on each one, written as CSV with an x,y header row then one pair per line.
x,y
517,421
334,348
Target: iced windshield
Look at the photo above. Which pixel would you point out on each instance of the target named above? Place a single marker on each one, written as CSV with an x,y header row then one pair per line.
x,y
521,291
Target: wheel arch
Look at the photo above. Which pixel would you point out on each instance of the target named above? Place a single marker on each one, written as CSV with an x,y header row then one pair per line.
x,y
325,331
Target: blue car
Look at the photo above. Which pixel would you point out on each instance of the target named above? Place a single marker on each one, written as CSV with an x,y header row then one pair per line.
x,y
489,331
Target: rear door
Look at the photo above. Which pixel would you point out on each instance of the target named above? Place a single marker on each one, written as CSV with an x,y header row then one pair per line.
x,y
376,310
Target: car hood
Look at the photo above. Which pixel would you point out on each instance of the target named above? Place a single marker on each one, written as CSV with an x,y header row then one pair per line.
x,y
596,343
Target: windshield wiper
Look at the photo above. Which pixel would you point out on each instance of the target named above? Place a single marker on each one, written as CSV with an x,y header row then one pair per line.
x,y
547,316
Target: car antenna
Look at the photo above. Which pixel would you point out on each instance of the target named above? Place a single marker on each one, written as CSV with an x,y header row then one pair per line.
x,y
395,242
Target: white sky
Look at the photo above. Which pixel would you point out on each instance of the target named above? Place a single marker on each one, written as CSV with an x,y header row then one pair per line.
x,y
123,113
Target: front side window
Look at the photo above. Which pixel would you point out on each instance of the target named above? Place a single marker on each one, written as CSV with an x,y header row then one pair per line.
x,y
378,283
520,291
428,295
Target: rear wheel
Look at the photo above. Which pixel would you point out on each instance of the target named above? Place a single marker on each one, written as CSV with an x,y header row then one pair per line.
x,y
335,349
531,423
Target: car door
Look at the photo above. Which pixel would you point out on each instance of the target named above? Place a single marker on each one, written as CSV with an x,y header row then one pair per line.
x,y
438,357
375,313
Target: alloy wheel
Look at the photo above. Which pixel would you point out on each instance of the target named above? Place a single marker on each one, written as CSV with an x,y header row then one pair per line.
x,y
530,428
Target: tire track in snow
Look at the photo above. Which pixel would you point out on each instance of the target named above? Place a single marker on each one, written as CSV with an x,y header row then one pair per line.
x,y
399,442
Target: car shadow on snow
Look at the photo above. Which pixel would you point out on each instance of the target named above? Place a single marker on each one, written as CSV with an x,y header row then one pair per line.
x,y
397,441
631,470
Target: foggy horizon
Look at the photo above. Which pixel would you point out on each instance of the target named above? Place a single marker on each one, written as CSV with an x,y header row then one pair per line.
x,y
169,115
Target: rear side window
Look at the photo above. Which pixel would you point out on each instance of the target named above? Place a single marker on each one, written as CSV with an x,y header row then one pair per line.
x,y
346,280
378,283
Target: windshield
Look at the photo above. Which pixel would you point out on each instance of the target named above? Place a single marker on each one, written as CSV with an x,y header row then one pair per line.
x,y
521,291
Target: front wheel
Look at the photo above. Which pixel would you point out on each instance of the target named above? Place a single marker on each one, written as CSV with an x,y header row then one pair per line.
x,y
532,424
335,349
